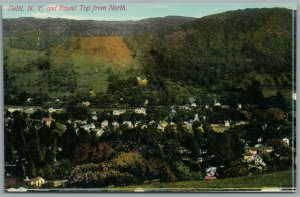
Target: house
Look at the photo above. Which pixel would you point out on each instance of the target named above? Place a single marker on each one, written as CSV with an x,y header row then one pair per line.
x,y
26,179
85,103
29,111
11,110
87,127
47,120
80,122
94,117
226,123
151,122
142,82
36,182
259,140
193,105
196,117
115,125
294,96
140,111
206,106
225,106
184,107
286,141
99,132
128,123
252,150
217,103
29,100
239,106
238,123
200,159
258,159
51,110
117,112
248,157
211,171
267,149
162,125
188,126
104,124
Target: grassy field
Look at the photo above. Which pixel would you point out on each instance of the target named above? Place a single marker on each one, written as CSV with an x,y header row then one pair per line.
x,y
78,64
262,182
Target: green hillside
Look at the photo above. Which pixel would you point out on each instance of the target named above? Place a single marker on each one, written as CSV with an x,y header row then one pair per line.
x,y
225,52
74,65
236,55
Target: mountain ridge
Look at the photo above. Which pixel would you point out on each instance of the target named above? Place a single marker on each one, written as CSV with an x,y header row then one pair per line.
x,y
61,26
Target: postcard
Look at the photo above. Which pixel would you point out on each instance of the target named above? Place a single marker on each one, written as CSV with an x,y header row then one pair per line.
x,y
149,97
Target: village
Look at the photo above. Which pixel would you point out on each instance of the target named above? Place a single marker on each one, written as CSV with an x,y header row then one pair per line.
x,y
191,118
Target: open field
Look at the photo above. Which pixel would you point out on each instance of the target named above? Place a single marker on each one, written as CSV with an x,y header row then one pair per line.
x,y
283,180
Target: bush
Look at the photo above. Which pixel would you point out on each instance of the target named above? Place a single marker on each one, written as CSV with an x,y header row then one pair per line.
x,y
183,172
98,175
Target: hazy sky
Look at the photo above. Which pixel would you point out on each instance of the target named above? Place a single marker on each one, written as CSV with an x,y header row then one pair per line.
x,y
136,11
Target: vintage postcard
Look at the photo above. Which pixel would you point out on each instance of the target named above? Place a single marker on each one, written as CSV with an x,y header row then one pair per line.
x,y
149,97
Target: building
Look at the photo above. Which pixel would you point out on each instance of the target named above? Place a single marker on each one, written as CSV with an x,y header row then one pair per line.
x,y
47,120
128,123
140,111
86,103
141,81
104,124
117,112
286,141
36,182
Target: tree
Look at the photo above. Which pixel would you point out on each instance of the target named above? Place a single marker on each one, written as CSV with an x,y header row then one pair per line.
x,y
274,114
280,101
171,151
235,169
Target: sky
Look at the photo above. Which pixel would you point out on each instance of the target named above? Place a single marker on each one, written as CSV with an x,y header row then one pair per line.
x,y
134,11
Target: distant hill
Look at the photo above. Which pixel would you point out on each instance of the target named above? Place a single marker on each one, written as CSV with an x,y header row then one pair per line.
x,y
233,54
228,50
67,27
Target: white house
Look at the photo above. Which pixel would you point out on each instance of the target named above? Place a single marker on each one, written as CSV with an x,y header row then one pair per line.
x,y
294,96
87,127
11,110
188,125
115,125
286,141
226,123
239,106
117,112
140,111
99,132
128,123
85,103
211,171
104,124
217,103
94,117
